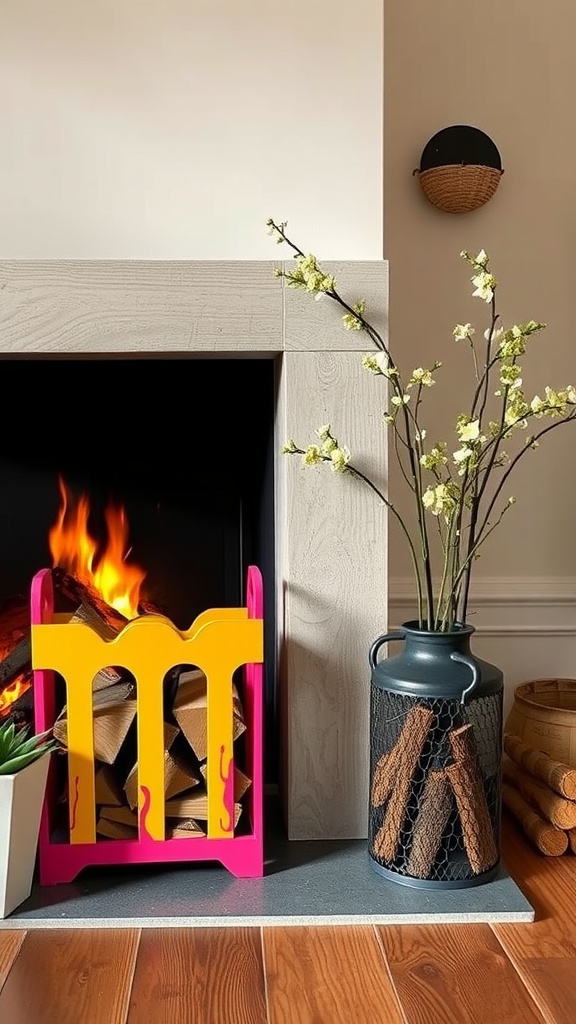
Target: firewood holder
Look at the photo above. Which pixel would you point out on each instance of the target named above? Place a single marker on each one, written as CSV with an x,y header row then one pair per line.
x,y
435,761
219,641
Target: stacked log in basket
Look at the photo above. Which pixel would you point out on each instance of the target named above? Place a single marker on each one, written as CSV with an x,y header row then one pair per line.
x,y
539,767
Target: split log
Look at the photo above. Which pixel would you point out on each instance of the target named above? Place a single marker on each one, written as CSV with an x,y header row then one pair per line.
x,y
194,805
571,833
113,714
551,841
556,809
108,789
123,815
191,711
185,829
179,774
105,676
241,781
115,829
410,745
433,813
560,777
122,823
466,780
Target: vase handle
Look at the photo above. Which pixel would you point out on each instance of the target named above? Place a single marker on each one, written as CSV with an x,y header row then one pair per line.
x,y
464,659
398,634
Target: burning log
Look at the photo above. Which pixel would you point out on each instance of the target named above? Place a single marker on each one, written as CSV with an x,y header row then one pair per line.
x,y
92,610
16,700
15,648
15,662
88,603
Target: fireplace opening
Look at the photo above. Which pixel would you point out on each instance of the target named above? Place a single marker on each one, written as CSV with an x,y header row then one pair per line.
x,y
183,445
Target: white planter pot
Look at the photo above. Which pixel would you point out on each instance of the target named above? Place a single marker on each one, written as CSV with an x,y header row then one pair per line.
x,y
21,797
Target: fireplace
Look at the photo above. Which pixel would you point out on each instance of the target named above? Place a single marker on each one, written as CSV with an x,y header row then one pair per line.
x,y
185,457
117,321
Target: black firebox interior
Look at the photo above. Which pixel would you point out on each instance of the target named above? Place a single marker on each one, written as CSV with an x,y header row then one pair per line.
x,y
185,445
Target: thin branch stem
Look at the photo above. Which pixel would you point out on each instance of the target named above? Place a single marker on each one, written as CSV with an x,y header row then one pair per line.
x,y
462,534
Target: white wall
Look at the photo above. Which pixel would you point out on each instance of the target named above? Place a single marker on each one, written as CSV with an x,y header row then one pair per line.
x,y
171,129
509,69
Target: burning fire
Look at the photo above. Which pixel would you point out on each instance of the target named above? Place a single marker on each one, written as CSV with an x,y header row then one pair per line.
x,y
75,551
13,692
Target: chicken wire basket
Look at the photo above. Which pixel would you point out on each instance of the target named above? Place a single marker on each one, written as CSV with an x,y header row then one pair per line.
x,y
435,793
435,761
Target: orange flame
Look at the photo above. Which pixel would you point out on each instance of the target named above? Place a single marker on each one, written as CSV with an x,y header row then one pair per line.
x,y
13,692
72,548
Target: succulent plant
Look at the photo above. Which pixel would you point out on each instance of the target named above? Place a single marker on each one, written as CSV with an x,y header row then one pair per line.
x,y
18,749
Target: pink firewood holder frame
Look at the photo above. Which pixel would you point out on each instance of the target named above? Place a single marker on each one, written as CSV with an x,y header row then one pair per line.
x,y
242,855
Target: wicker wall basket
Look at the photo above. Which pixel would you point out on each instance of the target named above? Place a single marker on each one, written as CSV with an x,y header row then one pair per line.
x,y
543,715
459,188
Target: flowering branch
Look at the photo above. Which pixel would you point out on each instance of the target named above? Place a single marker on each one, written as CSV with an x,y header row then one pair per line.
x,y
310,276
460,497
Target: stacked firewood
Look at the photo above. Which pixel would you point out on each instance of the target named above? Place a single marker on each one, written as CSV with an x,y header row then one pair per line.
x,y
458,781
185,758
114,722
540,793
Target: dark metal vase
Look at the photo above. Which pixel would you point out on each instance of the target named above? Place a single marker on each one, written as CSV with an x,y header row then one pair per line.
x,y
435,761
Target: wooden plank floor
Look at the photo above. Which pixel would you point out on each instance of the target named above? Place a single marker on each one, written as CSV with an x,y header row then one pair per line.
x,y
402,974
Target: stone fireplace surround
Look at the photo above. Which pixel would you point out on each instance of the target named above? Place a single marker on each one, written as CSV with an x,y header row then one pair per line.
x,y
330,533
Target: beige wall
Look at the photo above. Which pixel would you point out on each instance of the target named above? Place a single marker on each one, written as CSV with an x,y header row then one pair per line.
x,y
509,69
171,129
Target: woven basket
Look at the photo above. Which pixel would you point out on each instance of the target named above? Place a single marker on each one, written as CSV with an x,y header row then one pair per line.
x,y
543,715
459,188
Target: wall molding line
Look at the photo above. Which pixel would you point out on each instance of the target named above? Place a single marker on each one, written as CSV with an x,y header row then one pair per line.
x,y
505,606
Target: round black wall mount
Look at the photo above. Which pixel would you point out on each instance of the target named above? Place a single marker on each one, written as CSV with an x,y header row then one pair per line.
x,y
460,169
